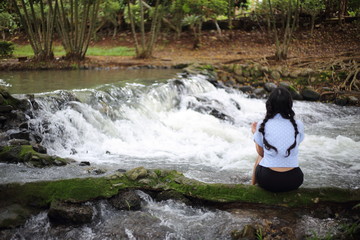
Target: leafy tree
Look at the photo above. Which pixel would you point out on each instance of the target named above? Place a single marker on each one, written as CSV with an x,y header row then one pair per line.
x,y
7,23
154,15
176,15
111,11
314,8
38,19
283,35
76,25
197,11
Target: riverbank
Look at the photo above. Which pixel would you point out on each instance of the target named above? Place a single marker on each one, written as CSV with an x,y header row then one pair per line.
x,y
333,53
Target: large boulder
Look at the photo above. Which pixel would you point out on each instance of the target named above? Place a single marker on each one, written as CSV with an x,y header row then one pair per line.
x,y
269,86
310,94
70,213
13,216
26,154
126,200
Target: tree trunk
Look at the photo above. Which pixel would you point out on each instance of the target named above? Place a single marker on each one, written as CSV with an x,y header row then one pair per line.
x,y
231,13
312,24
133,30
39,29
217,27
291,20
76,26
145,49
342,10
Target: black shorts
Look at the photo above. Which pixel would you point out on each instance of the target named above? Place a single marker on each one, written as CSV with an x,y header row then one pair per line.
x,y
279,181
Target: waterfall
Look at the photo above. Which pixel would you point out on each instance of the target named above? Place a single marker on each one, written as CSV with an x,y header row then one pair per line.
x,y
188,124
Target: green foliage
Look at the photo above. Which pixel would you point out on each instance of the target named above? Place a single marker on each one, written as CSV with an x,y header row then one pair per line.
x,y
259,234
135,10
205,8
350,230
313,7
7,22
6,48
111,11
354,7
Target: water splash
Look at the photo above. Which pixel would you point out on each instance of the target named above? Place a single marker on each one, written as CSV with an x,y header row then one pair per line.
x,y
189,125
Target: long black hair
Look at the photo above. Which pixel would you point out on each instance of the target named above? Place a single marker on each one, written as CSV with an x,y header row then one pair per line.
x,y
279,101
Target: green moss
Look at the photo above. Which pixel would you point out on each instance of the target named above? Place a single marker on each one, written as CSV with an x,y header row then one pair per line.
x,y
208,67
41,194
25,153
8,99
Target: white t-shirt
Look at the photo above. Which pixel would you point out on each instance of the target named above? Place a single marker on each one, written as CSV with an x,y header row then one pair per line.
x,y
280,133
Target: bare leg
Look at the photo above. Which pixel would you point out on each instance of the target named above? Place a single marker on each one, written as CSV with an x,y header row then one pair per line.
x,y
253,179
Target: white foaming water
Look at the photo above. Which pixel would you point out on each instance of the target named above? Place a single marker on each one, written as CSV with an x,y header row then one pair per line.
x,y
189,125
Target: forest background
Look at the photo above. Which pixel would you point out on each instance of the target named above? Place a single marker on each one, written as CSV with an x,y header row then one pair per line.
x,y
163,32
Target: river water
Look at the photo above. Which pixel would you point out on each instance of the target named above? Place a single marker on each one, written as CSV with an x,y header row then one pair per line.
x,y
163,119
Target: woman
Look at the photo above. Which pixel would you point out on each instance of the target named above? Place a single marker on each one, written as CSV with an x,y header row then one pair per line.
x,y
277,139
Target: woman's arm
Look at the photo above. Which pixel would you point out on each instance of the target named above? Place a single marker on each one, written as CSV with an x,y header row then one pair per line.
x,y
259,150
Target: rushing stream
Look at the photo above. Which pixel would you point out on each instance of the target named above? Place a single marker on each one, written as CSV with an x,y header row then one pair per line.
x,y
183,123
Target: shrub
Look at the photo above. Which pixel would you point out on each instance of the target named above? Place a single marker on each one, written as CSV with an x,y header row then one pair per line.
x,y
6,49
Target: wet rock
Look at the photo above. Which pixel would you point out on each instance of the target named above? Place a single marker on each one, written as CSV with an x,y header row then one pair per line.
x,y
260,93
353,100
84,163
18,142
293,91
2,100
137,173
19,134
24,125
6,108
269,86
39,148
220,115
310,95
247,233
26,154
296,95
99,171
275,75
174,195
236,104
126,200
3,119
10,154
73,151
240,79
246,89
70,213
13,216
341,101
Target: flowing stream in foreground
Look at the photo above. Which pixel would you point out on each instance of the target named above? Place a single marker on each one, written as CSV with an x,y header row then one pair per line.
x,y
182,123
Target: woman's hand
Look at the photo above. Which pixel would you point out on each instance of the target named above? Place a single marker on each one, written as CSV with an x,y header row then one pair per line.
x,y
253,127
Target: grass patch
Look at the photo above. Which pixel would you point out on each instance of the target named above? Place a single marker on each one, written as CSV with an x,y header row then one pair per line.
x,y
26,51
116,51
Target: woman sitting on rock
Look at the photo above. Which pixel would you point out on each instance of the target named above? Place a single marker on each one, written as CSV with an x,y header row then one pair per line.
x,y
277,139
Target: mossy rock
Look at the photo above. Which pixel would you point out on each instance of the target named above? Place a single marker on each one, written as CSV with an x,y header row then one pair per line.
x,y
26,154
42,194
89,188
13,215
8,100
